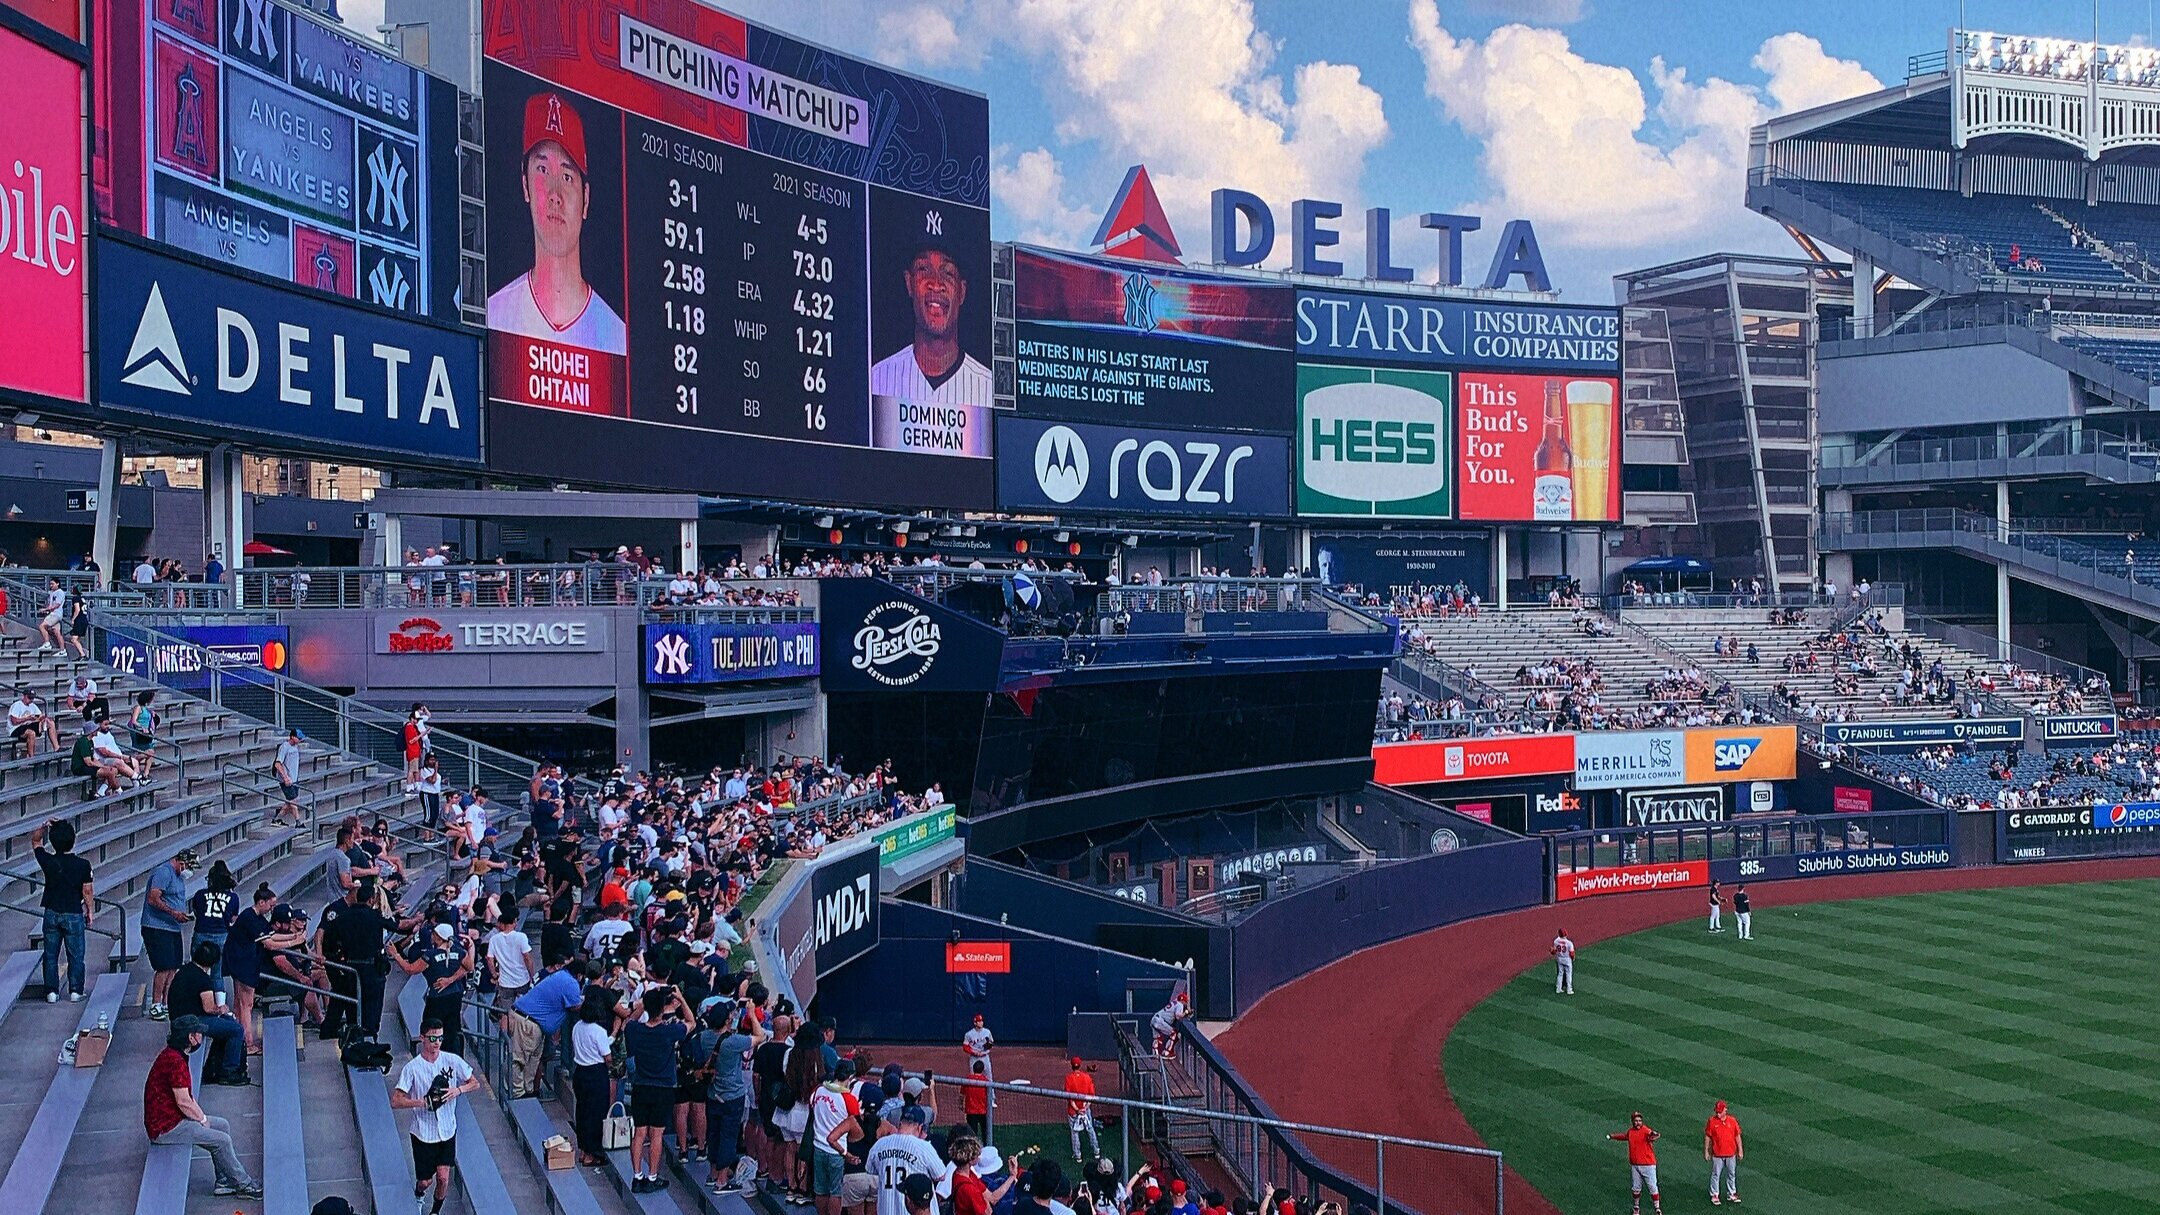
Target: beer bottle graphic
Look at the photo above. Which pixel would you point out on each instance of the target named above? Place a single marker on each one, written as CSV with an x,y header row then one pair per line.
x,y
1552,487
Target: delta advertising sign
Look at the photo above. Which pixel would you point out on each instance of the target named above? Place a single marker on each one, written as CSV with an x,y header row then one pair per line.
x,y
44,275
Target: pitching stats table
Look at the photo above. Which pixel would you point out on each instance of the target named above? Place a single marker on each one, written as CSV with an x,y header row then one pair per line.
x,y
748,284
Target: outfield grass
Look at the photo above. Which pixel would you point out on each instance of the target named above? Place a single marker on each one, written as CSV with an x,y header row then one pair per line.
x,y
1977,1051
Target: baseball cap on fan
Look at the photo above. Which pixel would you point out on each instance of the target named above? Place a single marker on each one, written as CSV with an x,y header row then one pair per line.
x,y
549,116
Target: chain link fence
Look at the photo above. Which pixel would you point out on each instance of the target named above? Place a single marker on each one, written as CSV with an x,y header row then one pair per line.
x,y
1182,1120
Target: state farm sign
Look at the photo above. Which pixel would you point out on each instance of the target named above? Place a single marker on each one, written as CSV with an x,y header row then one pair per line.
x,y
490,633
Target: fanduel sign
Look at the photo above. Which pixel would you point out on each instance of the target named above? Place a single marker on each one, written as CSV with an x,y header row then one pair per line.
x,y
210,351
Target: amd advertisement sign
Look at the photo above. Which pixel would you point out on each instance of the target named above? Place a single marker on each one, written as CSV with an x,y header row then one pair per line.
x,y
844,909
875,637
1082,466
1657,808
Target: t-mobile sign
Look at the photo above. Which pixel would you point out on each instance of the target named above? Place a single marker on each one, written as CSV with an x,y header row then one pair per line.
x,y
42,279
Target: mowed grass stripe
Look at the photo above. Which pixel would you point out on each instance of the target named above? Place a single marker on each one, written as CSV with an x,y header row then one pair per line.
x,y
1973,1051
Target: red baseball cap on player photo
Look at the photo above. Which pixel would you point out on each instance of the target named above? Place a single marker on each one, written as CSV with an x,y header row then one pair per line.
x,y
549,117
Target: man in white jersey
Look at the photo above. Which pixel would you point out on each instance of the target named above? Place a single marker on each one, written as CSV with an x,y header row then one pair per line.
x,y
1563,952
977,1042
904,1153
932,369
552,301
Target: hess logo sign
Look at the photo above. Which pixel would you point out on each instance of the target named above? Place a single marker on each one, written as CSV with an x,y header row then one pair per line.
x,y
1369,441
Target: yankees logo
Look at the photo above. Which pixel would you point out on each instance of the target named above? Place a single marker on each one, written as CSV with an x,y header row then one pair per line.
x,y
671,655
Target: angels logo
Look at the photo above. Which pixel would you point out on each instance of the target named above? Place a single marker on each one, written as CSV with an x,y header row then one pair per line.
x,y
897,644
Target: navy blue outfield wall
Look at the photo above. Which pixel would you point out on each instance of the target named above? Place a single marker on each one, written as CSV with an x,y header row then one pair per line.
x,y
1288,937
1030,900
1050,978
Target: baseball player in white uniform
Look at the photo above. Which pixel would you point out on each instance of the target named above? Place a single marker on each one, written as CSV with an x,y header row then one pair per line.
x,y
932,369
552,301
1743,913
1717,907
1563,952
976,1042
1164,1023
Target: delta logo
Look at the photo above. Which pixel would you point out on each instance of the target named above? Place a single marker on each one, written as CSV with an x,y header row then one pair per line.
x,y
421,635
1732,754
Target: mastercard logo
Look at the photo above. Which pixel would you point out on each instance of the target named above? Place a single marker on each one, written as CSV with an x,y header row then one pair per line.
x,y
274,655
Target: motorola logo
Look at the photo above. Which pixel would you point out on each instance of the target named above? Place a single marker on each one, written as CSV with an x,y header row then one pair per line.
x,y
1061,464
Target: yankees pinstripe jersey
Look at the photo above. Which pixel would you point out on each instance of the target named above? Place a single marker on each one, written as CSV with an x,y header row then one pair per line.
x,y
898,375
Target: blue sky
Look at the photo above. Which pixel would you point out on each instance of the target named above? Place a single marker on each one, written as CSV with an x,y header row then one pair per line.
x,y
1618,126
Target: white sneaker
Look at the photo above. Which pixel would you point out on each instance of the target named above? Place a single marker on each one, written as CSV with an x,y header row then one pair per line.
x,y
52,997
74,997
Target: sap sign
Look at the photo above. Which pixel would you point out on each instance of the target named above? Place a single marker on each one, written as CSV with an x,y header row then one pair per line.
x,y
1244,235
211,351
1078,466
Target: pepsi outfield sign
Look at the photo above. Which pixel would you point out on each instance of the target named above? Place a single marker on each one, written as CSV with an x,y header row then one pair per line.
x,y
700,652
1129,470
2121,816
1981,730
202,350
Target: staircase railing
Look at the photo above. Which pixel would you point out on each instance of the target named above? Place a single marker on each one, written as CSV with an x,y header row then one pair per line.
x,y
353,726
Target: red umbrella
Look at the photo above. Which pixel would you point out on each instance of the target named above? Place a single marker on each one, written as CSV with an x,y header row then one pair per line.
x,y
256,548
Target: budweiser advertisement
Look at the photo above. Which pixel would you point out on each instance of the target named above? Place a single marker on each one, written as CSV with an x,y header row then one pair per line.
x,y
1537,448
1425,763
1630,879
42,274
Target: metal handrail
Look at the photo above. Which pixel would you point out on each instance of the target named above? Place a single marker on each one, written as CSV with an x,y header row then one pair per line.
x,y
231,686
491,585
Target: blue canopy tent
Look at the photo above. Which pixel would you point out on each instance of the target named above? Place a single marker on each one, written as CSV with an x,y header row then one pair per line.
x,y
1661,574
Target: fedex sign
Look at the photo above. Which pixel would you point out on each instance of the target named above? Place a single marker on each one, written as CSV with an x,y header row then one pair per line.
x,y
1244,235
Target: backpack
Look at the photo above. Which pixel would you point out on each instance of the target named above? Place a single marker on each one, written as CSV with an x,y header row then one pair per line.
x,y
694,1059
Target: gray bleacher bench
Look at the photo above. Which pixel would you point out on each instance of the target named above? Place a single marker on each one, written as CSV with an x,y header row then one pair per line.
x,y
696,1177
30,1178
284,1171
477,1173
165,1169
568,1193
652,1202
16,973
382,1144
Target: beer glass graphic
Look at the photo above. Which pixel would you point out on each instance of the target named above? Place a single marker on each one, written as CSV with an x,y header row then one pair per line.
x,y
1590,435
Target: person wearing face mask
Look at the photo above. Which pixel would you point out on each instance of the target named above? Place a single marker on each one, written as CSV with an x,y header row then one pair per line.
x,y
171,1115
164,914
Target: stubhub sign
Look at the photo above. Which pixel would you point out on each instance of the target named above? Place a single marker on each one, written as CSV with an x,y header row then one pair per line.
x,y
209,349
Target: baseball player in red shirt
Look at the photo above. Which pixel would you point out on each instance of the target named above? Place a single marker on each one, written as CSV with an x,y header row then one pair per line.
x,y
1722,1148
1642,1163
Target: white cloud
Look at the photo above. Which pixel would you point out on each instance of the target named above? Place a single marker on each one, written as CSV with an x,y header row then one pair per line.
x,y
1543,12
1028,191
362,17
1190,88
926,35
1802,76
1571,143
